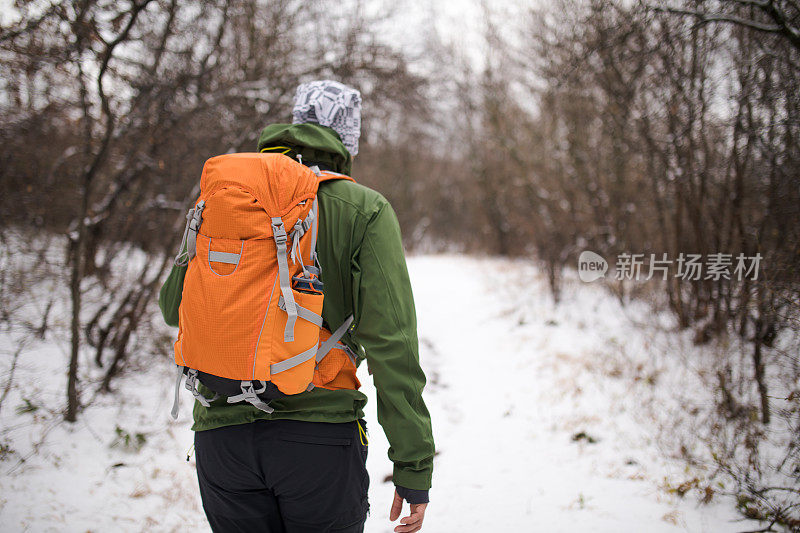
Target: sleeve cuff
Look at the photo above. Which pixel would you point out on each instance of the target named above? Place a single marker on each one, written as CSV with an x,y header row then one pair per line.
x,y
413,496
419,479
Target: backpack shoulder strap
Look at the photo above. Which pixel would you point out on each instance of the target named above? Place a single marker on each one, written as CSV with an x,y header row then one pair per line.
x,y
328,175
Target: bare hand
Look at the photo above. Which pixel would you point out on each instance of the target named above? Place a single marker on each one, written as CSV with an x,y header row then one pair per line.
x,y
410,523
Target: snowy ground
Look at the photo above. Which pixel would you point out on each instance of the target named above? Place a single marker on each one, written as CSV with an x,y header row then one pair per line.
x,y
512,379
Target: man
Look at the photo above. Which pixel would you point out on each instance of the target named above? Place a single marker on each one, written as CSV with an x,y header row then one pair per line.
x,y
302,468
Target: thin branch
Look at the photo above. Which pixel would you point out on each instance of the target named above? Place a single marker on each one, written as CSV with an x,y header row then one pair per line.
x,y
706,18
137,9
11,374
780,26
763,530
756,3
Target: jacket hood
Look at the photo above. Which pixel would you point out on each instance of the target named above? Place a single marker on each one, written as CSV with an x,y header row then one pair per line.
x,y
318,145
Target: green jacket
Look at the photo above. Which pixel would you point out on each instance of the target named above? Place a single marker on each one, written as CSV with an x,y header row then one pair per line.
x,y
364,271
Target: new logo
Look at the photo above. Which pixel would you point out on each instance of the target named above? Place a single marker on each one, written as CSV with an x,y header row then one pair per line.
x,y
591,266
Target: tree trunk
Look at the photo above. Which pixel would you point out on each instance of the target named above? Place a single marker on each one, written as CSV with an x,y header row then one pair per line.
x,y
76,275
758,363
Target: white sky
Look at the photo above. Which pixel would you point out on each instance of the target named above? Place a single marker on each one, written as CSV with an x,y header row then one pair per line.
x,y
459,23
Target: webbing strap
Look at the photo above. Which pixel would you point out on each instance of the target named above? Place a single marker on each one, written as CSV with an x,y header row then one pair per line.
x,y
295,251
182,259
177,400
331,173
294,254
300,229
313,255
246,387
304,313
224,257
194,227
279,233
334,338
293,361
312,215
191,386
346,349
250,395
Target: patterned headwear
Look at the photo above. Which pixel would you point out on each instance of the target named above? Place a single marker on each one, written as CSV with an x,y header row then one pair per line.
x,y
332,104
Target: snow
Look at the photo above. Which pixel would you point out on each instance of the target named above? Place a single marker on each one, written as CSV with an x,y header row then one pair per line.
x,y
512,378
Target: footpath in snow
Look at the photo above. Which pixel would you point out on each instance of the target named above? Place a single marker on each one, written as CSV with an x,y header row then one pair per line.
x,y
540,419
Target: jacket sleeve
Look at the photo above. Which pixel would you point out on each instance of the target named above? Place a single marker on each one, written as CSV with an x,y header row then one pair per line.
x,y
169,298
387,329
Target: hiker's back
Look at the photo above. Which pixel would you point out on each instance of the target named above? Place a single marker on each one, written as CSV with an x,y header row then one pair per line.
x,y
250,320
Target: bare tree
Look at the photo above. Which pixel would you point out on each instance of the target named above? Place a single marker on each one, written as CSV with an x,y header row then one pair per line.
x,y
111,109
777,17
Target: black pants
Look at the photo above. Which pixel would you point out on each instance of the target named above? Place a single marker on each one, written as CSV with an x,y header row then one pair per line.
x,y
283,476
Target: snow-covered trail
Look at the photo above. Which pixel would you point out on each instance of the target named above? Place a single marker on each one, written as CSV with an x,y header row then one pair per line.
x,y
511,379
506,394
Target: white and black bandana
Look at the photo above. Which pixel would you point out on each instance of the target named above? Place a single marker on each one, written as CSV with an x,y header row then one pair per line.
x,y
332,104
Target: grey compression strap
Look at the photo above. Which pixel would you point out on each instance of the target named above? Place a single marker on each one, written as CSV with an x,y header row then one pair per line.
x,y
302,312
296,234
183,255
246,386
294,253
177,400
279,233
348,352
300,229
194,227
191,386
334,338
314,209
250,395
224,257
293,361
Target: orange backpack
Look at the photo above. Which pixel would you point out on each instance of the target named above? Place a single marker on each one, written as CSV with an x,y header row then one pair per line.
x,y
250,319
